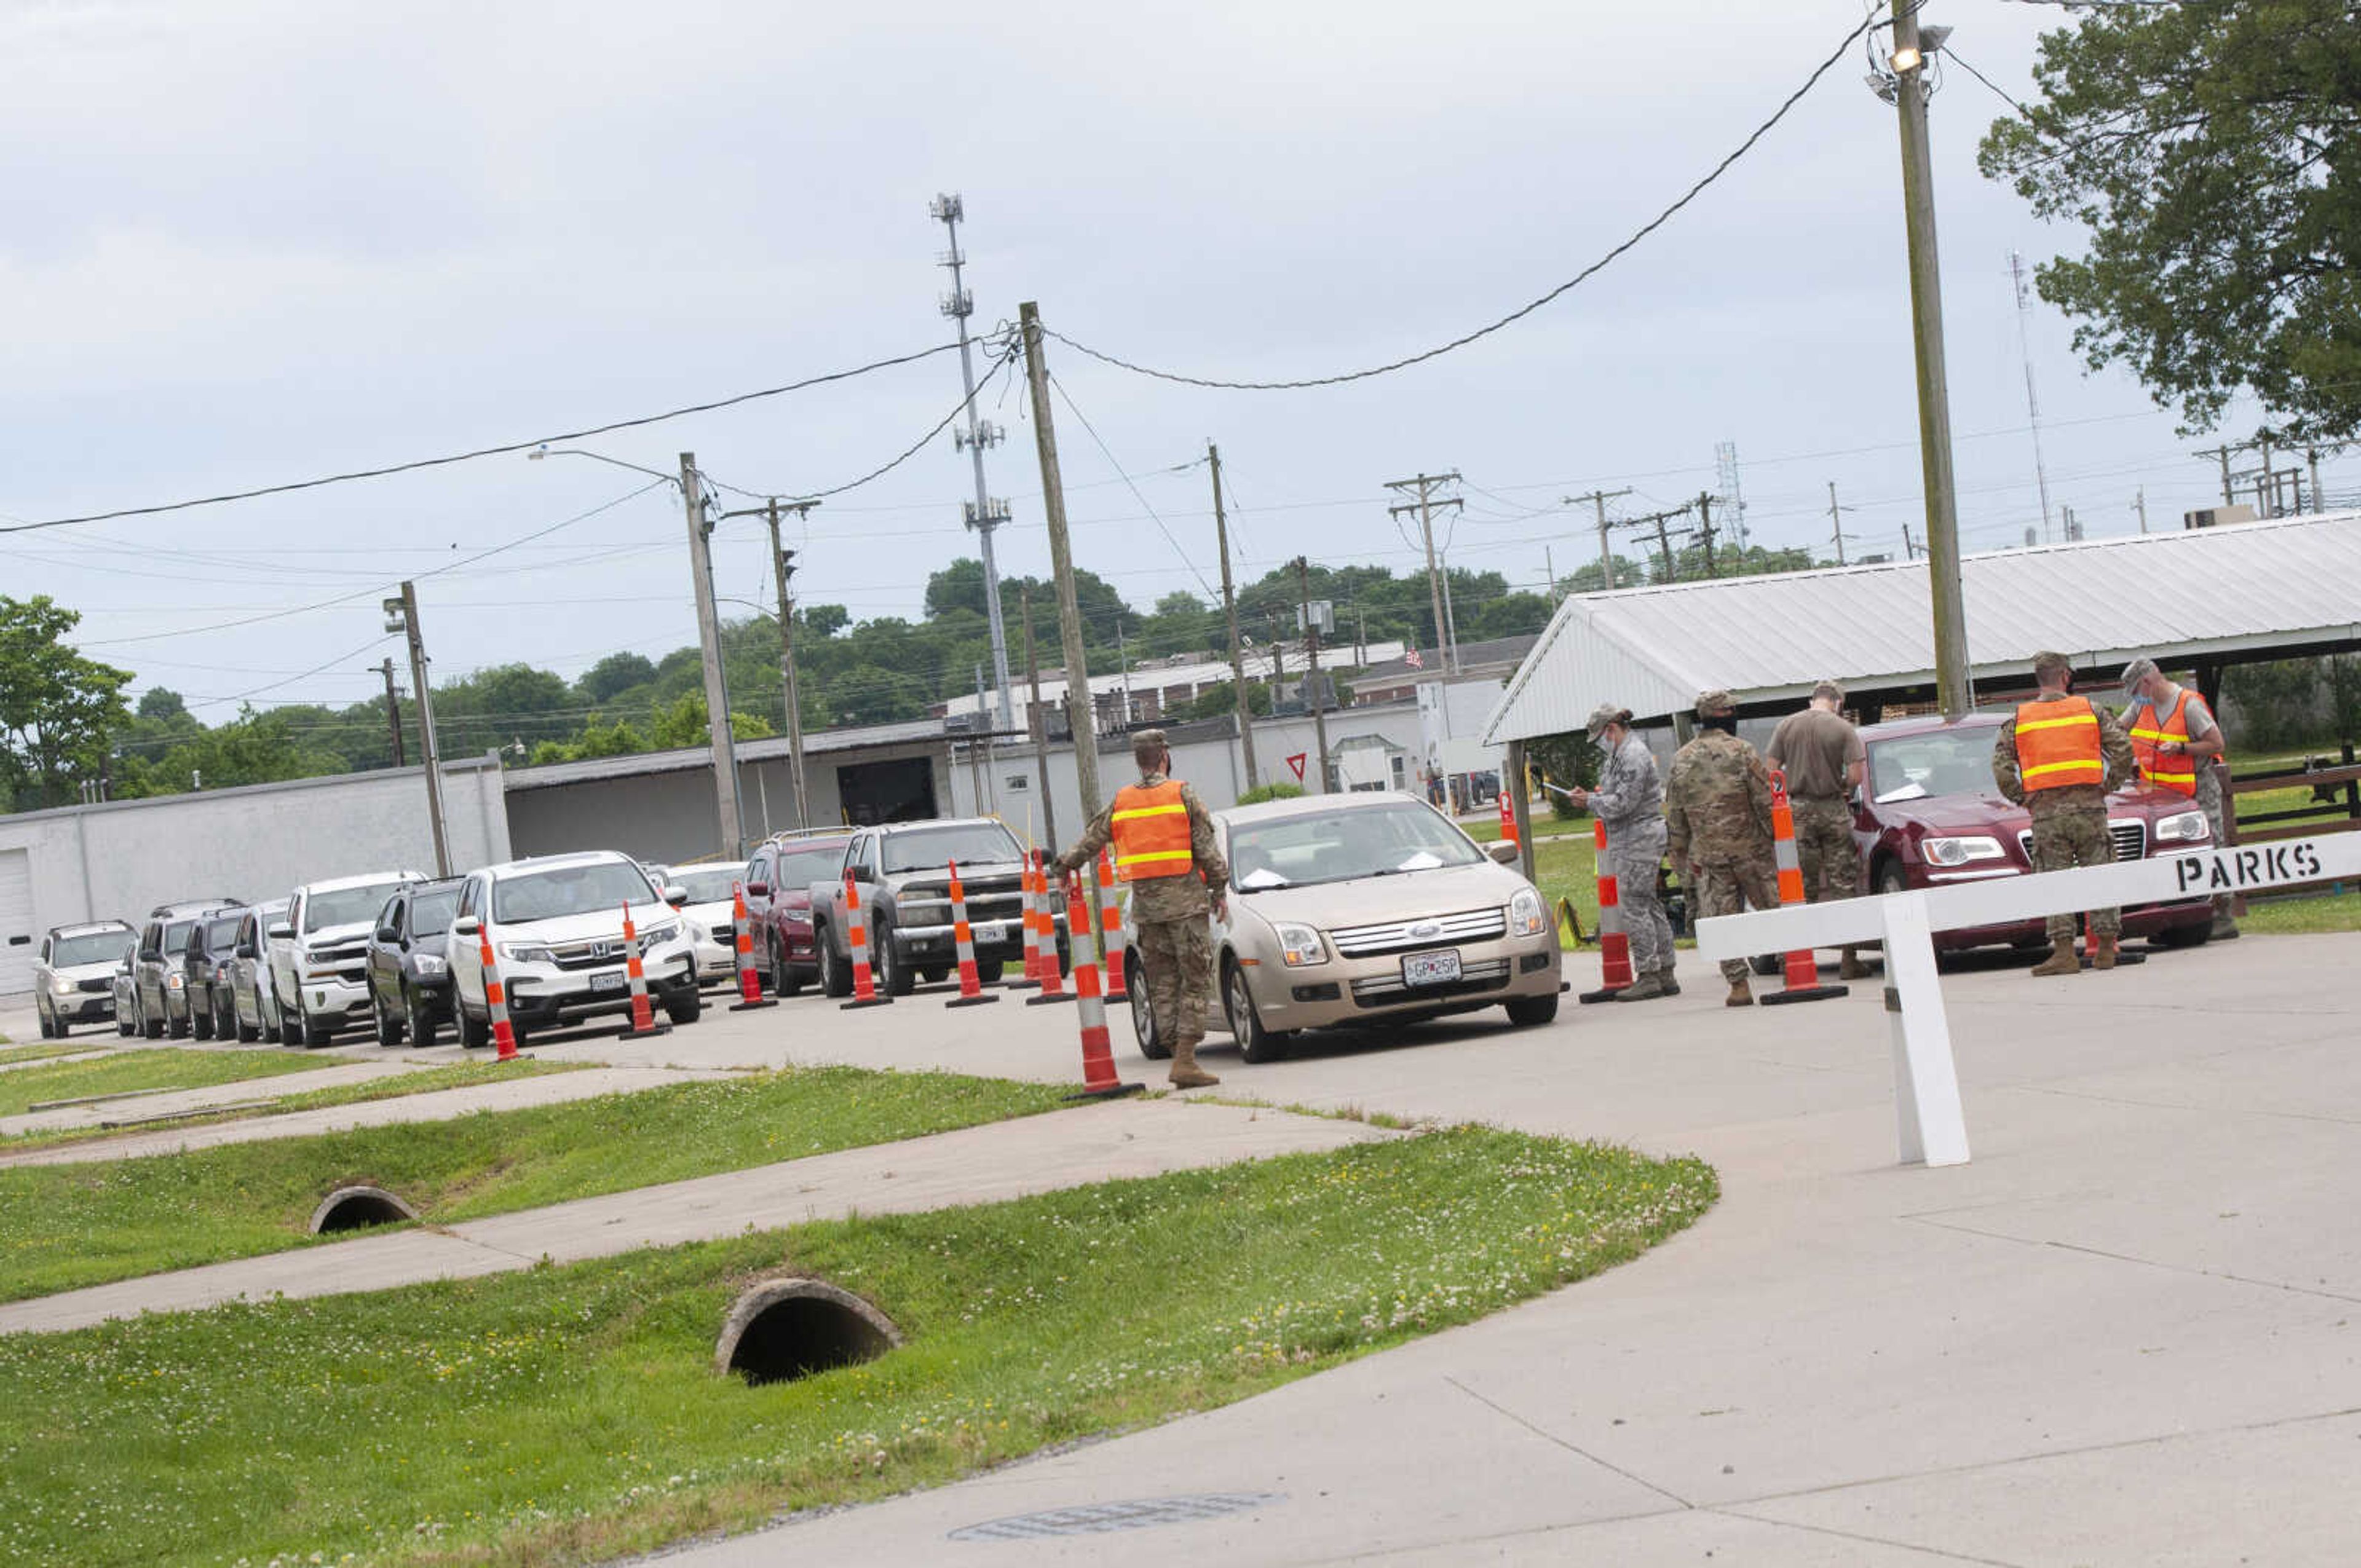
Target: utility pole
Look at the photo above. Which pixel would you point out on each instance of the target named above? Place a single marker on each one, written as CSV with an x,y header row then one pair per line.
x,y
1549,570
402,615
1909,545
1657,520
1230,610
1039,722
2312,458
1450,623
1705,527
1319,769
1062,564
708,634
2032,405
1835,521
1911,42
2223,453
783,566
2139,505
1426,484
1605,554
985,514
392,713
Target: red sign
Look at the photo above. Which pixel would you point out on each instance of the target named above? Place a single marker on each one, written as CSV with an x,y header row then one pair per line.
x,y
1297,762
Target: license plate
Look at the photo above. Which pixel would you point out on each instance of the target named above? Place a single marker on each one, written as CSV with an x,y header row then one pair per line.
x,y
613,980
1430,969
989,931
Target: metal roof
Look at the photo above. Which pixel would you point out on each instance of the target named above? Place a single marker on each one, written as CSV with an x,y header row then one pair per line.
x,y
551,774
1155,676
2243,588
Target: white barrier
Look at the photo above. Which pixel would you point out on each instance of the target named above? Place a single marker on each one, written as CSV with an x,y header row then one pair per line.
x,y
1930,1125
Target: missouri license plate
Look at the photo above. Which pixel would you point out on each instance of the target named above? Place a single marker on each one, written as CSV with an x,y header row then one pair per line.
x,y
613,980
1430,969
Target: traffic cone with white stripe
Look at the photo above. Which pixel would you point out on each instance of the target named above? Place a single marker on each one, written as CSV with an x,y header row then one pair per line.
x,y
1614,943
1053,983
1110,926
1032,966
971,991
750,984
496,998
1099,1079
856,937
1802,981
643,1015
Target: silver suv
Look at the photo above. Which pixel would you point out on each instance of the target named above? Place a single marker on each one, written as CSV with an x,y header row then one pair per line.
x,y
73,975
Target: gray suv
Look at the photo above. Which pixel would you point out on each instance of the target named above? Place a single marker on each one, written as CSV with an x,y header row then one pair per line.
x,y
160,981
72,975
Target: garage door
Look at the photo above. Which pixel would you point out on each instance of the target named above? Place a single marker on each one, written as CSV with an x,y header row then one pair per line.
x,y
19,941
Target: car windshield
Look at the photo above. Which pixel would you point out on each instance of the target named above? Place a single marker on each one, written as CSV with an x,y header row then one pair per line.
x,y
430,913
1337,845
805,867
709,884
90,948
1934,762
561,891
346,905
929,849
222,932
176,935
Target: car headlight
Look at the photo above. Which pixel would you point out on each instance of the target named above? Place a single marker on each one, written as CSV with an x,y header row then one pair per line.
x,y
429,964
60,986
2183,828
1526,916
1960,851
1299,945
527,953
663,932
176,982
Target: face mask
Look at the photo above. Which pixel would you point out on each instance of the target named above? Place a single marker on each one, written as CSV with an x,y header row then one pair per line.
x,y
1727,723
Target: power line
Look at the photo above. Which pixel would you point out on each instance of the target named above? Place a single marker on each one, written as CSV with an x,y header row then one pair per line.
x,y
1134,489
1715,173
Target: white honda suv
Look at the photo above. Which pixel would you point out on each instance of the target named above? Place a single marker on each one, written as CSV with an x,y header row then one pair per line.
x,y
556,927
319,969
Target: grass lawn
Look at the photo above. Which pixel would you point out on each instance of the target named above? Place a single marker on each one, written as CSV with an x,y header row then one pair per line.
x,y
65,1226
572,1413
42,1053
2324,912
121,1072
416,1080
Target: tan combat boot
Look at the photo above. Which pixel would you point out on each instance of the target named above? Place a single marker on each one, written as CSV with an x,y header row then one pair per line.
x,y
2103,952
1186,1073
1852,967
1665,980
1647,988
1740,994
2061,958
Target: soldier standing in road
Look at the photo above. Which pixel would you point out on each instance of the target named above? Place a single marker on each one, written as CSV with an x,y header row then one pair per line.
x,y
2178,748
2059,759
1164,851
1630,801
1821,754
1718,822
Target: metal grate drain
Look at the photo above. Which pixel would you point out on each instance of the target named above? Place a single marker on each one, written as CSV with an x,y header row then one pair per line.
x,y
1097,1518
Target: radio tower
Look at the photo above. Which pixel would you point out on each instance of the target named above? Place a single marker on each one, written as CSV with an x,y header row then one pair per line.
x,y
2032,408
1725,464
986,512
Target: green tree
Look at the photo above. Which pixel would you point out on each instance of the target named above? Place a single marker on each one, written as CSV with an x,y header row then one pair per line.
x,y
58,708
2213,151
613,675
682,723
160,702
1219,701
253,748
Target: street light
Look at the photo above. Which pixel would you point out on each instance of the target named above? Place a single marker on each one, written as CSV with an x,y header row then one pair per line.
x,y
546,450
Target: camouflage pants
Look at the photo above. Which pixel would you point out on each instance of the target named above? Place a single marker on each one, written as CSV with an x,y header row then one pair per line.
x,y
1728,887
1179,958
1824,846
1632,858
2064,839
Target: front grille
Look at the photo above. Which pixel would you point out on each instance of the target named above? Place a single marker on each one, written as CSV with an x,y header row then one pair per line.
x,y
2130,840
1386,989
592,955
1430,931
98,985
726,933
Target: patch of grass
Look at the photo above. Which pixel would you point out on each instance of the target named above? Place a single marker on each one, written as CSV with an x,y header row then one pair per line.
x,y
2285,916
42,1053
560,1415
66,1227
415,1080
120,1073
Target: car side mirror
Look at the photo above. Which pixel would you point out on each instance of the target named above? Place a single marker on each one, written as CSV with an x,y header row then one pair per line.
x,y
245,951
150,955
675,895
1503,852
388,934
758,890
281,931
467,926
860,873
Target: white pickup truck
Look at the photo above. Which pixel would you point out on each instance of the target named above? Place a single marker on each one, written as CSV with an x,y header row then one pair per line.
x,y
319,968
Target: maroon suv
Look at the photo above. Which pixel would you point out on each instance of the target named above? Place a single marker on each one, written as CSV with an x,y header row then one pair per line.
x,y
779,875
1930,814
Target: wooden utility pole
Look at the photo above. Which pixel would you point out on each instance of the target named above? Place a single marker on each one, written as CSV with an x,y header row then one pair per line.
x,y
731,832
1835,521
392,712
1061,567
1039,722
1230,611
402,616
783,566
1606,553
1703,504
2139,505
1317,774
1423,507
1657,520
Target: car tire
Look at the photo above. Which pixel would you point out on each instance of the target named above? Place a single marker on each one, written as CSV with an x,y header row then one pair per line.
x,y
41,1015
686,1005
1152,1043
835,973
247,1033
895,975
1255,1044
2194,936
151,1028
123,1026
201,1021
176,1028
419,1013
389,1033
1891,878
988,971
787,980
1526,1012
312,1034
474,1034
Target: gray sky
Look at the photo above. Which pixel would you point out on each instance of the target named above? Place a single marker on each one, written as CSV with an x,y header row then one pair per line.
x,y
252,242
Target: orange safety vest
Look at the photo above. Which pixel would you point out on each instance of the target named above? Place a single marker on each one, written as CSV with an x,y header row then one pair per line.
x,y
2177,774
2058,744
1150,827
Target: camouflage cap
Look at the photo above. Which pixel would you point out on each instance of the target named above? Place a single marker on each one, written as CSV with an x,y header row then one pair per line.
x,y
1146,744
1604,714
2135,672
1710,703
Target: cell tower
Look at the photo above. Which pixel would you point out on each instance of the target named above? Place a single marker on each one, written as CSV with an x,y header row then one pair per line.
x,y
986,512
1725,464
2032,405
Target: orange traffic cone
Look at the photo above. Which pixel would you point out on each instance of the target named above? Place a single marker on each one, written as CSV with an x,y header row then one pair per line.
x,y
643,1016
972,990
496,997
1032,968
750,984
864,990
1507,819
1111,928
1053,985
1614,943
1803,971
1099,1079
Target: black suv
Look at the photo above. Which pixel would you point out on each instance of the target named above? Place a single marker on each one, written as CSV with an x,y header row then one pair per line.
x,y
160,987
205,975
409,976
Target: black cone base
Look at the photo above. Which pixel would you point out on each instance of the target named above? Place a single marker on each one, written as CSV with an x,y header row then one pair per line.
x,y
1803,993
659,1026
1042,1001
857,1002
1605,993
976,1001
1113,1091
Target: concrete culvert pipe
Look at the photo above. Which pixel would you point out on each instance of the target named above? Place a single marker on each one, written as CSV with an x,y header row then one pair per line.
x,y
357,1208
785,1329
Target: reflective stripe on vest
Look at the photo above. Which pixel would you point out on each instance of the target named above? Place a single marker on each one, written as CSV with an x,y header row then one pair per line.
x,y
2058,744
1150,828
2177,774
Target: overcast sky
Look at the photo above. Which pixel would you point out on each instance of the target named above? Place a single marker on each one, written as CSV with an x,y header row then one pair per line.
x,y
252,242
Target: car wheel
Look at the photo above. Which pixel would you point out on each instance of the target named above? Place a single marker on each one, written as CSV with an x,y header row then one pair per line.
x,y
1255,1044
686,1005
248,1033
2192,936
312,1034
420,1014
1152,1043
389,1032
123,1026
1527,1011
1891,878
177,1028
895,975
475,1033
201,1018
47,1026
787,980
835,973
151,1028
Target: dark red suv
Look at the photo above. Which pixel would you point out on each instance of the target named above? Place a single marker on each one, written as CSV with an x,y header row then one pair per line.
x,y
779,875
1930,814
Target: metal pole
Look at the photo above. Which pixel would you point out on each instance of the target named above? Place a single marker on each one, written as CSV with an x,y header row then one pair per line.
x,y
1038,721
393,714
2139,505
949,209
1230,610
1318,772
2311,458
782,571
1450,623
1949,607
2032,405
426,747
1062,564
717,695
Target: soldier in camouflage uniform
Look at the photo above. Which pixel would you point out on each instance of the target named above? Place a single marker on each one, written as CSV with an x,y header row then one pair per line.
x,y
1168,905
1823,760
1718,819
2070,820
1630,801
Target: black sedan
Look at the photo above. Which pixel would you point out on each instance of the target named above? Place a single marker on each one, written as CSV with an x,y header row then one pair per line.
x,y
409,983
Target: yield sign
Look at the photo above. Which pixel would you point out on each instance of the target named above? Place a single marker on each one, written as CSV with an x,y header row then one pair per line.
x,y
1297,762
